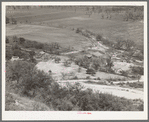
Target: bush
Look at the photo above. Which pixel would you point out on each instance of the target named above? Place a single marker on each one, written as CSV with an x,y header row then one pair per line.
x,y
38,45
64,76
98,37
27,77
17,69
79,69
78,30
124,44
75,77
67,63
7,40
136,84
134,14
124,73
98,78
22,40
57,60
9,53
17,52
13,21
90,71
137,70
7,20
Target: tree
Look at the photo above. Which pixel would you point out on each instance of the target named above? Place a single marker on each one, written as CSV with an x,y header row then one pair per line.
x,y
96,64
9,53
119,44
98,37
17,52
7,40
7,20
79,69
57,60
22,40
13,21
129,44
15,46
15,39
90,71
67,63
17,69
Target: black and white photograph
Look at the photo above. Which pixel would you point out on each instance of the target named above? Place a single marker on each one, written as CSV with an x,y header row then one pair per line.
x,y
74,60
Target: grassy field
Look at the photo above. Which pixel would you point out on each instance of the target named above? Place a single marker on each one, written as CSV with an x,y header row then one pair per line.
x,y
64,37
112,29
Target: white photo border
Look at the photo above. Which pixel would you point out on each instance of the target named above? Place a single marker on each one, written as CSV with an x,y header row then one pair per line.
x,y
73,115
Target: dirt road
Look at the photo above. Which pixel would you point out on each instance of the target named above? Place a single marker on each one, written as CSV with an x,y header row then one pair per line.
x,y
114,90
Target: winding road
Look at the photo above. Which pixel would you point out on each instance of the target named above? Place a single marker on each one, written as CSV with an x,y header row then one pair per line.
x,y
114,90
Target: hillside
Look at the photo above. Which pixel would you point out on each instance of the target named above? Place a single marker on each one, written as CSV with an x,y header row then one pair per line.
x,y
69,59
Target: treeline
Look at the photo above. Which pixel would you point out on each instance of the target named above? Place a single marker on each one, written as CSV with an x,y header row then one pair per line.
x,y
14,45
40,86
11,20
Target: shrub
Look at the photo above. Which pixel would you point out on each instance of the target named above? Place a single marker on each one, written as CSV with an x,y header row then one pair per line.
x,y
78,30
106,42
17,69
79,69
98,78
124,73
136,84
38,80
137,70
7,40
13,21
38,45
124,44
99,83
75,77
64,76
90,71
9,53
27,77
98,37
57,60
7,20
17,52
88,77
67,63
22,40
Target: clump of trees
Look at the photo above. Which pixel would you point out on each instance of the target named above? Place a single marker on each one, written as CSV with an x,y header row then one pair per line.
x,y
67,63
134,13
98,37
57,60
11,20
100,63
124,44
105,41
53,48
7,20
137,70
90,71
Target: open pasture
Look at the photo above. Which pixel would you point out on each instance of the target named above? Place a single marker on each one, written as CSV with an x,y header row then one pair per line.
x,y
64,37
112,29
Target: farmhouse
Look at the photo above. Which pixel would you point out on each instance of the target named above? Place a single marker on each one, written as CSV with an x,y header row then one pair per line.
x,y
15,58
88,56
